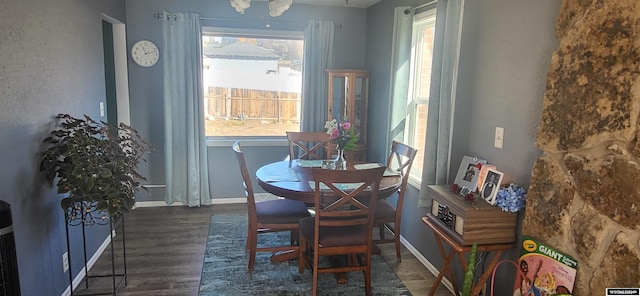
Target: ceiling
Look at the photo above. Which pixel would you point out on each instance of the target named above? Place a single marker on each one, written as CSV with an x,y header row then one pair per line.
x,y
346,3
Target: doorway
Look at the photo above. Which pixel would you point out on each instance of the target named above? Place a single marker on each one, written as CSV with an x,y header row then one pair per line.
x,y
116,105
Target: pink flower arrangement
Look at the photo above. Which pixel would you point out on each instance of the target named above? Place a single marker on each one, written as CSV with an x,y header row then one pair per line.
x,y
343,134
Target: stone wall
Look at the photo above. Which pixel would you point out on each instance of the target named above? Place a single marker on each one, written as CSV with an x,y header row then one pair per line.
x,y
584,196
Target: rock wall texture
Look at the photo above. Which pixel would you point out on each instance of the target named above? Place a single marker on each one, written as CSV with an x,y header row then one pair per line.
x,y
584,196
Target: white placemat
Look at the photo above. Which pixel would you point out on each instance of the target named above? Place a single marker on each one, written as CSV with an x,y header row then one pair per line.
x,y
341,186
365,166
307,163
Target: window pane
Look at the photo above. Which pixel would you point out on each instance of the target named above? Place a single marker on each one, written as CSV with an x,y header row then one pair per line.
x,y
423,33
419,138
252,86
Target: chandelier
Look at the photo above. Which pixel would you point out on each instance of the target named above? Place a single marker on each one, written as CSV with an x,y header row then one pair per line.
x,y
276,7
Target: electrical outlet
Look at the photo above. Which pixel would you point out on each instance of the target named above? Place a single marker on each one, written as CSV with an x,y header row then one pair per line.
x,y
499,138
65,262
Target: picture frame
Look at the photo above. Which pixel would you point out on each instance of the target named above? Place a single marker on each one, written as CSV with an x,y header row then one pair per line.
x,y
483,174
468,172
491,185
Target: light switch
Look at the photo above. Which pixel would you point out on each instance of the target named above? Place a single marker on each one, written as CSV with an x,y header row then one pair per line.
x,y
499,138
101,109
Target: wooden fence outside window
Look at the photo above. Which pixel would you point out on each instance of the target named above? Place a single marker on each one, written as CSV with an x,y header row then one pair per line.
x,y
250,104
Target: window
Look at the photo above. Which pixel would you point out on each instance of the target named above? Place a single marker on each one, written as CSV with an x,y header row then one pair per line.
x,y
417,106
252,84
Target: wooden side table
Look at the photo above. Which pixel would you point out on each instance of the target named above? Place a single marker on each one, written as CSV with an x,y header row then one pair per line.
x,y
460,250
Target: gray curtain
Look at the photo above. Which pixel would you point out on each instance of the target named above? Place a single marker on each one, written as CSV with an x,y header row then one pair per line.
x,y
400,72
186,172
446,53
318,56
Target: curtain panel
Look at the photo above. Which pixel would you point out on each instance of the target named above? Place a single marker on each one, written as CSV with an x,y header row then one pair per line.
x,y
186,173
446,54
400,73
318,56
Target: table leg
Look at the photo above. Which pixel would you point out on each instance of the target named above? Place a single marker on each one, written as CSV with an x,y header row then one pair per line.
x,y
375,249
341,277
445,270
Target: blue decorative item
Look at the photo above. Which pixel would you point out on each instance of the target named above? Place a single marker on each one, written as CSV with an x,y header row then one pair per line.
x,y
511,198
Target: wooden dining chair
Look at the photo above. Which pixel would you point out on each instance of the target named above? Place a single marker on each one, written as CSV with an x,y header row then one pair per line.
x,y
268,216
308,144
343,224
400,161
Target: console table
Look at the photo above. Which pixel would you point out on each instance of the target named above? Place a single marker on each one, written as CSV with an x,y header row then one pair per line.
x,y
456,248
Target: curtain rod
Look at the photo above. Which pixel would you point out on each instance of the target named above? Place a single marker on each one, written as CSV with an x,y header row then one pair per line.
x,y
160,15
409,10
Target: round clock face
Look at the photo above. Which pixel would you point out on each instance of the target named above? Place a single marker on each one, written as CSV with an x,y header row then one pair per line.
x,y
145,53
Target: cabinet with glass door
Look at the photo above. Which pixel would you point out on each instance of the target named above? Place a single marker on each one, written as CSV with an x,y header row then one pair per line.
x,y
348,92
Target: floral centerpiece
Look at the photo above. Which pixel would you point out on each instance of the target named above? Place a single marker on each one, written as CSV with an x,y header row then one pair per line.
x,y
343,134
511,198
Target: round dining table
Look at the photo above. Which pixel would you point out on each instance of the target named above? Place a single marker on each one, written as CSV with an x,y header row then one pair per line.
x,y
291,179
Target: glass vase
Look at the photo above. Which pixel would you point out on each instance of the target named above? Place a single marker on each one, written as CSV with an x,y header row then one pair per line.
x,y
340,161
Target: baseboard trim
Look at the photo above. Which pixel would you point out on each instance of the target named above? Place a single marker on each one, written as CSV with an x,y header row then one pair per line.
x,y
214,201
77,280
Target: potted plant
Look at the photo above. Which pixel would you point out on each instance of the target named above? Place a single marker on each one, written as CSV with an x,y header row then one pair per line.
x,y
94,163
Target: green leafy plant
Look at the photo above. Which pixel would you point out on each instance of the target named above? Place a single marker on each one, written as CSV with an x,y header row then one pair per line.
x,y
94,163
469,275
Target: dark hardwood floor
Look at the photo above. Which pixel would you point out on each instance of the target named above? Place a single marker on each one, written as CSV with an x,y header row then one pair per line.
x,y
165,252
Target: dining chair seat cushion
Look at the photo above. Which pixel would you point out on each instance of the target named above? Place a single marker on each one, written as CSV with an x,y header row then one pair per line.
x,y
384,211
334,236
281,211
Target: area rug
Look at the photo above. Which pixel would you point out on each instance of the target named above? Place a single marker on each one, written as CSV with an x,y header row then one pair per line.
x,y
225,268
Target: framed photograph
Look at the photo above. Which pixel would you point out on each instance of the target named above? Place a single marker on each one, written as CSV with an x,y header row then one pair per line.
x,y
483,173
468,173
490,187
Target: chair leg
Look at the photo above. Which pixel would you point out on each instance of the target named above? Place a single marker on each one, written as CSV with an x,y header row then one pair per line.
x,y
302,252
248,243
367,276
397,239
316,258
381,229
367,282
253,240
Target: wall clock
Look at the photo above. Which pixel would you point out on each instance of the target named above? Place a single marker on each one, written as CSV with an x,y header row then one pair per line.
x,y
145,53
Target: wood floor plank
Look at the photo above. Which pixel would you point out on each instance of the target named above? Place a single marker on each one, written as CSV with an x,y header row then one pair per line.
x,y
165,253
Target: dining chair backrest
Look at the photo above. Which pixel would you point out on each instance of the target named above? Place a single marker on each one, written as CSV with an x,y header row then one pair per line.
x,y
344,203
308,144
273,215
389,217
246,178
401,161
350,204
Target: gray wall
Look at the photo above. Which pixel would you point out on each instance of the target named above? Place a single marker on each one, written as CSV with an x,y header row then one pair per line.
x,y
51,57
51,61
506,50
146,83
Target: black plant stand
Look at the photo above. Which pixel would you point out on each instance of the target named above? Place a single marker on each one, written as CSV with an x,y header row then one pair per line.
x,y
85,214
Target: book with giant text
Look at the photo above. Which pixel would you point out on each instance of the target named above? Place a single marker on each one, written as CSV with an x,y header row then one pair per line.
x,y
544,270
